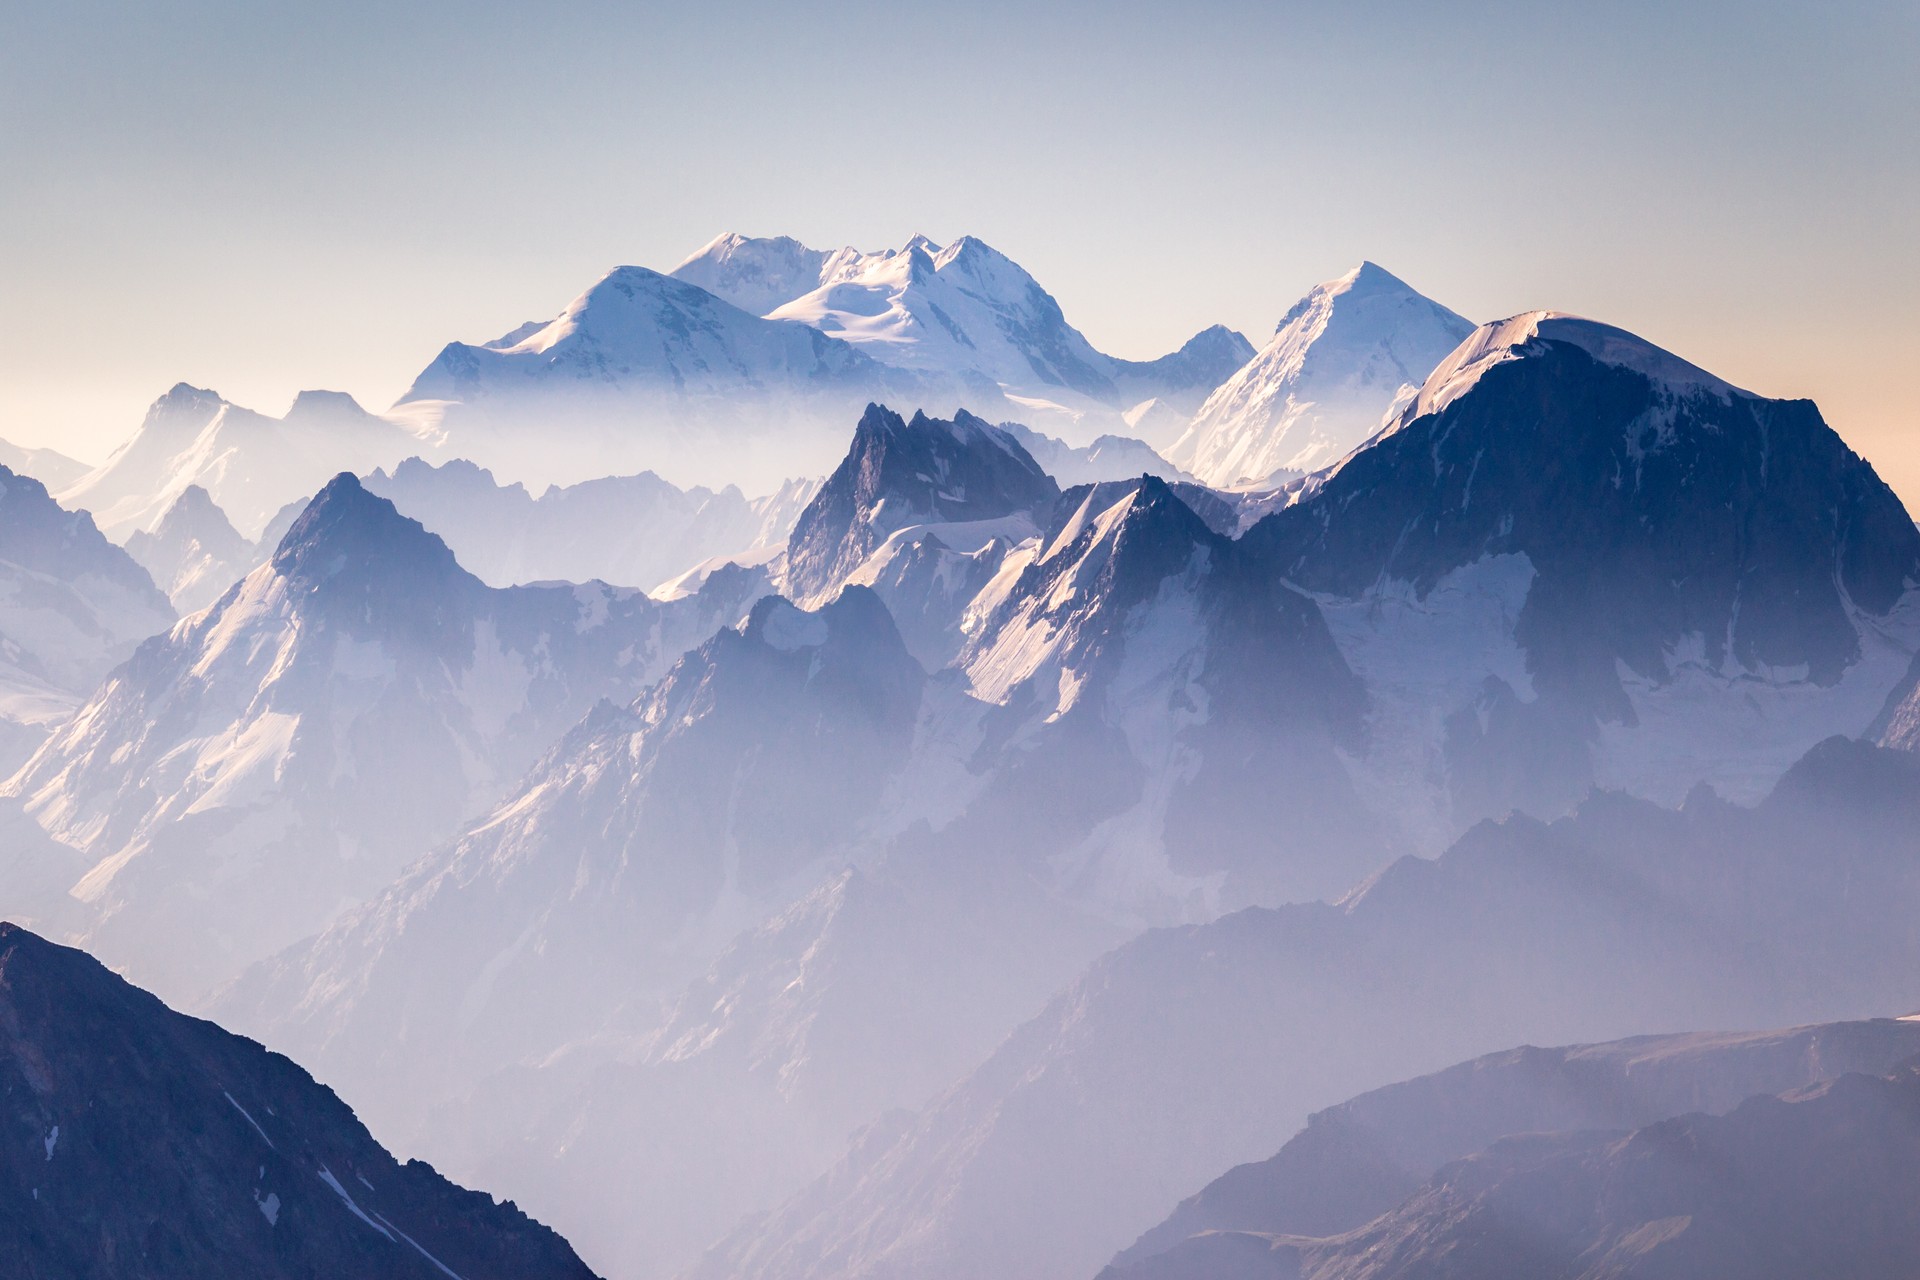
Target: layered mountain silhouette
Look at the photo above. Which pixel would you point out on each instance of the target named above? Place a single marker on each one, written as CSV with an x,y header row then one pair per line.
x,y
285,752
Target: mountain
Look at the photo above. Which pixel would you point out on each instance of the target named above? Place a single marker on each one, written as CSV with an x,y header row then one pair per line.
x,y
647,837
900,475
282,754
1356,1161
637,530
50,467
759,274
193,551
1338,361
646,371
150,1144
1032,803
1807,1183
1192,1049
71,606
1107,458
966,311
1575,560
250,465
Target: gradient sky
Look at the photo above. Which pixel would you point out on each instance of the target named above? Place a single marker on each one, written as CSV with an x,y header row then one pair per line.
x,y
263,197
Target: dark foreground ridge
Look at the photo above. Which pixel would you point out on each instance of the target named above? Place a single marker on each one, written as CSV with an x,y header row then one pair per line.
x,y
138,1142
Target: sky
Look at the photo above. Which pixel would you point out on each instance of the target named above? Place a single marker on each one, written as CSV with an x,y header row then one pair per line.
x,y
265,197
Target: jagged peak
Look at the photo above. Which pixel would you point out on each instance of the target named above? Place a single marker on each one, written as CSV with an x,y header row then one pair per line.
x,y
348,529
1146,509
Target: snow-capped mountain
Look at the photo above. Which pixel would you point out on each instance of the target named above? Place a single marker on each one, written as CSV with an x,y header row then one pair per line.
x,y
251,465
72,605
281,755
1353,1162
758,274
1575,559
644,371
159,1144
1338,361
193,552
966,311
971,321
634,530
1190,1050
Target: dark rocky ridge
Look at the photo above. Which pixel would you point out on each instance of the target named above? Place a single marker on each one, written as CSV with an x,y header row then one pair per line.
x,y
898,473
143,1143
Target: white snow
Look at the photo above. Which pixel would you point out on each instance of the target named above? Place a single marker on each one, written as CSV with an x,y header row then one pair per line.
x,y
269,1207
326,1176
52,1141
250,1120
1347,353
1503,340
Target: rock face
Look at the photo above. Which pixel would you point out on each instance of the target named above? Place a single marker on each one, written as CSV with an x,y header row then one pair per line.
x,y
898,475
72,605
1337,362
1618,570
284,753
1365,1157
142,1143
193,552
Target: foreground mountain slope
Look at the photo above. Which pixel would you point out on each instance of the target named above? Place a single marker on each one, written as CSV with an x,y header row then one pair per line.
x,y
338,712
1337,362
72,605
1576,559
1356,1161
142,1143
1192,1049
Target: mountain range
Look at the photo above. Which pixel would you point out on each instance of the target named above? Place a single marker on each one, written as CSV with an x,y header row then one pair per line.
x,y
1000,837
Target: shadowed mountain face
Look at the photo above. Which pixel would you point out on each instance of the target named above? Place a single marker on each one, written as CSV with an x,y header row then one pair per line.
x,y
898,474
1814,1183
1363,1158
142,1143
1617,570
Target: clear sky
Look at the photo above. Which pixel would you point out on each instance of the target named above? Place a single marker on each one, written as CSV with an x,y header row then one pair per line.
x,y
260,197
